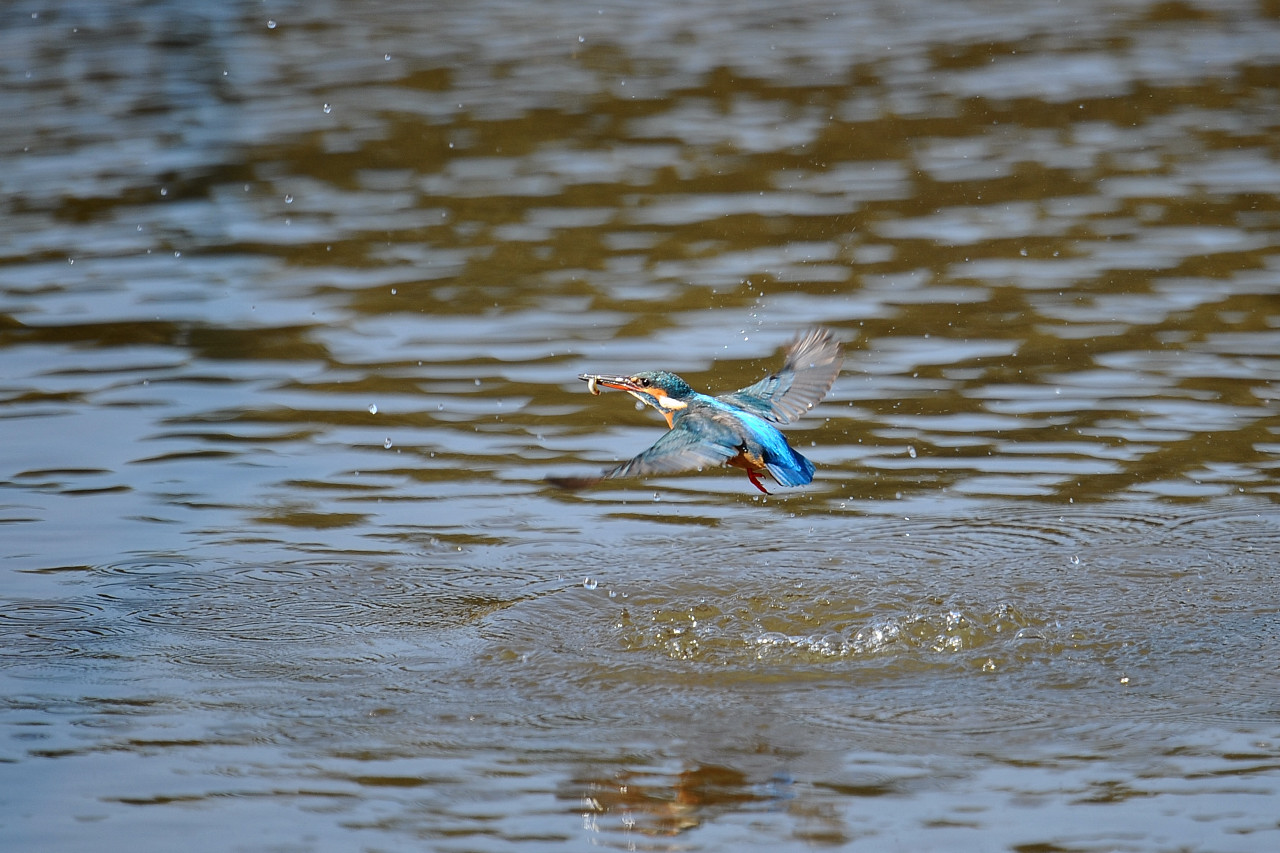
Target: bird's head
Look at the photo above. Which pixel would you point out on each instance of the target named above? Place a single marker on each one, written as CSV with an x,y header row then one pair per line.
x,y
665,391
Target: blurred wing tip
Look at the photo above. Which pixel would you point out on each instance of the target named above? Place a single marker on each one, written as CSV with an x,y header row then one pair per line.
x,y
572,484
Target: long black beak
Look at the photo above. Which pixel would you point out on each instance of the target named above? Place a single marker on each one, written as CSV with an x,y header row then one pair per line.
x,y
593,380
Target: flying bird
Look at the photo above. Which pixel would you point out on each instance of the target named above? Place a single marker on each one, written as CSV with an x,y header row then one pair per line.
x,y
735,429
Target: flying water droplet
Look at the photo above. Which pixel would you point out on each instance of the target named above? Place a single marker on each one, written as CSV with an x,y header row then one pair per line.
x,y
588,583
373,408
387,444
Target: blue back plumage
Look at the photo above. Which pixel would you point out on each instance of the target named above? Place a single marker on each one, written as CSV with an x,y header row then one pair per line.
x,y
734,426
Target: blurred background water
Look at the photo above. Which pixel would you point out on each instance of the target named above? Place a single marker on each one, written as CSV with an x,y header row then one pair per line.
x,y
293,297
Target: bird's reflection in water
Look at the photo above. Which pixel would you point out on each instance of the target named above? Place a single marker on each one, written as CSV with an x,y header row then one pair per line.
x,y
657,804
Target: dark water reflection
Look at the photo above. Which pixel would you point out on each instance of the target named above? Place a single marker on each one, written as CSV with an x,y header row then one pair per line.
x,y
292,302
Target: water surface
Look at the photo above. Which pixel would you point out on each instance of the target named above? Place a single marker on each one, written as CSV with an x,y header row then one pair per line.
x,y
293,298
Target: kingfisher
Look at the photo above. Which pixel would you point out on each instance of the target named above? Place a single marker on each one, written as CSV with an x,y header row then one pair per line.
x,y
735,429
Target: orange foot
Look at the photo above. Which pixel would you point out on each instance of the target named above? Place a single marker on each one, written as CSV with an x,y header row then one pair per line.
x,y
755,481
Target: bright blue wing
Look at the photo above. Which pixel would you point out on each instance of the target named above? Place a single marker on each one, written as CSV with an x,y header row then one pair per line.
x,y
682,449
807,373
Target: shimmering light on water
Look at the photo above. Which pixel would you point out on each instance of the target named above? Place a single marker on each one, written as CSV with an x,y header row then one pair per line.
x,y
293,302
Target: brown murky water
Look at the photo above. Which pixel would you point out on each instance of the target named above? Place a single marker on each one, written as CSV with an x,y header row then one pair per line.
x,y
292,302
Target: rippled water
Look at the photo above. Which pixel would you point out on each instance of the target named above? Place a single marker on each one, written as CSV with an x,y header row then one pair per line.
x,y
293,298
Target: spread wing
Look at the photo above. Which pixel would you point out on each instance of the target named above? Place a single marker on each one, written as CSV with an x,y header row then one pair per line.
x,y
811,366
679,449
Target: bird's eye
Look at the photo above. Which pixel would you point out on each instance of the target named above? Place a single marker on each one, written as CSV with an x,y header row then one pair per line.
x,y
643,383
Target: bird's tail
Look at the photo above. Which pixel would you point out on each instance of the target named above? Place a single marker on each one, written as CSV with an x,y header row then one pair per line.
x,y
797,471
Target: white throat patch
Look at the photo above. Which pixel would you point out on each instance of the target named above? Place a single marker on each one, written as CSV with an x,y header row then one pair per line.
x,y
668,403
